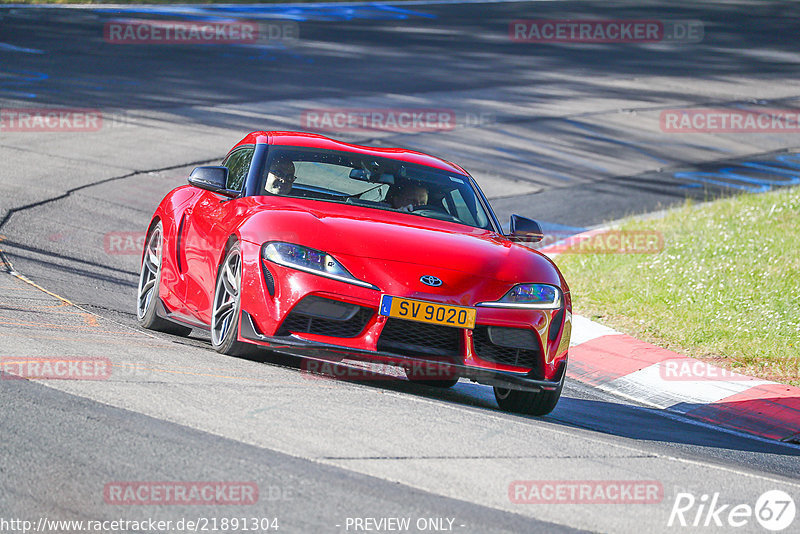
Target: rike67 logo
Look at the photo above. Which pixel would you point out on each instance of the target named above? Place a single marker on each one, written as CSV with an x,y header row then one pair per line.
x,y
774,510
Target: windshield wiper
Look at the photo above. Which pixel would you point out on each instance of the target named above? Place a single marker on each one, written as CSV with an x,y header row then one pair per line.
x,y
356,195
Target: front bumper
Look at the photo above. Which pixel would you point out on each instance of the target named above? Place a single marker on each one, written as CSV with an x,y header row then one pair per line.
x,y
295,346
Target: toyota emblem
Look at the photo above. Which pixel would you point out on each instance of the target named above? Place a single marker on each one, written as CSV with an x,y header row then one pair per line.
x,y
429,280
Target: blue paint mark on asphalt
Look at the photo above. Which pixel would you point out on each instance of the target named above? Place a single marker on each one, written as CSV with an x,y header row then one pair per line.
x,y
20,94
6,47
711,178
406,12
16,82
296,12
22,83
752,176
286,12
21,77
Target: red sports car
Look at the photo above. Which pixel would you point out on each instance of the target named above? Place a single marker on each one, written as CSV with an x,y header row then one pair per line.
x,y
313,247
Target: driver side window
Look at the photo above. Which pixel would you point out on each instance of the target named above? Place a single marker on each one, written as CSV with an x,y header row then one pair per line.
x,y
238,165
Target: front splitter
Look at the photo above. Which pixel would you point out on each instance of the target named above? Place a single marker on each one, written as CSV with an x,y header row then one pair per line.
x,y
295,346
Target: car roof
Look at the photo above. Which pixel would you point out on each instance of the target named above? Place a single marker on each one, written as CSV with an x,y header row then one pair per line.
x,y
302,139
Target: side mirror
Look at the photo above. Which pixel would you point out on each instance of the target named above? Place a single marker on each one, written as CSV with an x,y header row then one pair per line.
x,y
528,229
212,178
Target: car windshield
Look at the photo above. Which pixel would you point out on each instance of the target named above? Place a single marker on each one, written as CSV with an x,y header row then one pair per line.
x,y
374,182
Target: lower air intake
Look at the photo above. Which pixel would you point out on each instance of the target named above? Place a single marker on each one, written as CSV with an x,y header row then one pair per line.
x,y
510,346
326,317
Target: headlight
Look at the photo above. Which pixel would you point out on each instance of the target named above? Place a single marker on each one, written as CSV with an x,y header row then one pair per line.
x,y
535,296
309,260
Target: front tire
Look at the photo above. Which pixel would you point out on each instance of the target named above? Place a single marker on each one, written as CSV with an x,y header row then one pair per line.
x,y
528,402
149,281
226,308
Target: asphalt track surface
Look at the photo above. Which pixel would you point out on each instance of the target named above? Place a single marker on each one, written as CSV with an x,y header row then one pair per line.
x,y
567,134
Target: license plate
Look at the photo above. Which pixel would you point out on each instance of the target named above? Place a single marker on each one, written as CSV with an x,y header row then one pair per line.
x,y
427,312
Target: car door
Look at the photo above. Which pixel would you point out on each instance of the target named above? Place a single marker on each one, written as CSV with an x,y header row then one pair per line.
x,y
205,232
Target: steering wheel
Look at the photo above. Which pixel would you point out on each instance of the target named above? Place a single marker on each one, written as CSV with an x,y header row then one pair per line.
x,y
434,212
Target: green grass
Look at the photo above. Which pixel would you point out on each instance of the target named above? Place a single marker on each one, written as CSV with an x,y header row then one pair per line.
x,y
725,288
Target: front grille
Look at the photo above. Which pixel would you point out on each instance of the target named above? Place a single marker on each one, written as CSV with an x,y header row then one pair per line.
x,y
412,338
510,346
350,324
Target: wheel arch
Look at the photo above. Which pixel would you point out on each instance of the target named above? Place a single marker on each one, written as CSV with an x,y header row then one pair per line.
x,y
232,239
153,222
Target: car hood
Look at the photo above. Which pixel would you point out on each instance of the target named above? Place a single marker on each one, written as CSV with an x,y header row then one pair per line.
x,y
353,234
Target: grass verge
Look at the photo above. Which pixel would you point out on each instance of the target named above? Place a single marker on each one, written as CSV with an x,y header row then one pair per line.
x,y
725,288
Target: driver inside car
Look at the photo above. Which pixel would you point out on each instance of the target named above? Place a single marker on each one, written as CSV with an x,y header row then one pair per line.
x,y
407,197
280,177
